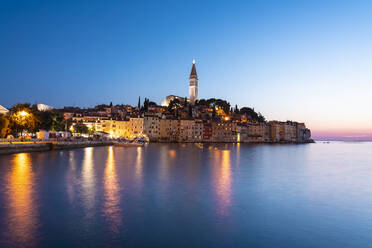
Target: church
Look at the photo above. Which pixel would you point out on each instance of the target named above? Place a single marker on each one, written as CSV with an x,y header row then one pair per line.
x,y
193,89
193,84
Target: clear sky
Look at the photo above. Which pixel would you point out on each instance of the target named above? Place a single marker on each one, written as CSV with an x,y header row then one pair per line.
x,y
308,61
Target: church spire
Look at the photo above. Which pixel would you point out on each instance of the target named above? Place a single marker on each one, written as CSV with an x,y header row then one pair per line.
x,y
193,70
193,86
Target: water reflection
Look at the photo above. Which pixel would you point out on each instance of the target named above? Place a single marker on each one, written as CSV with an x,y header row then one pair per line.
x,y
111,208
23,215
88,181
237,154
71,177
139,165
222,180
164,166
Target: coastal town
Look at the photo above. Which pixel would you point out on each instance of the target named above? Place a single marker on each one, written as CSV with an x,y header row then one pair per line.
x,y
176,119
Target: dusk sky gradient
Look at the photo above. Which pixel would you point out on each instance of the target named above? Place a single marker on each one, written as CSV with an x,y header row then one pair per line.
x,y
308,61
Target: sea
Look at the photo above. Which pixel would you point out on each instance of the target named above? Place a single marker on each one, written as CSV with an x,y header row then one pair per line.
x,y
189,195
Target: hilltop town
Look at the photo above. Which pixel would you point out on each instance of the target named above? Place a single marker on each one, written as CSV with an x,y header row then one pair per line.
x,y
177,119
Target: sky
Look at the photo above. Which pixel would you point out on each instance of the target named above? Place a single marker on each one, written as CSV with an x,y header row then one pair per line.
x,y
308,61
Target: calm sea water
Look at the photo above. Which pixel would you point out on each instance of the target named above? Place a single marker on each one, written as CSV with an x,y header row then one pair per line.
x,y
169,195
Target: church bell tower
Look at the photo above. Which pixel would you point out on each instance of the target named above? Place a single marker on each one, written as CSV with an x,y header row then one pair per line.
x,y
193,86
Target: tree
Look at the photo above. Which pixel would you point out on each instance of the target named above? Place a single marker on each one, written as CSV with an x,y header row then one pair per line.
x,y
190,110
139,103
110,104
174,106
212,102
91,131
67,124
4,126
249,112
22,118
236,110
51,120
80,128
146,105
261,118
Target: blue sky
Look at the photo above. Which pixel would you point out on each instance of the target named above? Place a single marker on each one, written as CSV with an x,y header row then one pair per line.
x,y
302,60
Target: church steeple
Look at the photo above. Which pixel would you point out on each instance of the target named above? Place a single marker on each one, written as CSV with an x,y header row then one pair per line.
x,y
193,86
193,70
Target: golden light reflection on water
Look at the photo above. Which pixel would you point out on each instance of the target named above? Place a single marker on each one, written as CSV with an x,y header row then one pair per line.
x,y
139,165
237,154
111,208
222,180
23,214
172,154
88,180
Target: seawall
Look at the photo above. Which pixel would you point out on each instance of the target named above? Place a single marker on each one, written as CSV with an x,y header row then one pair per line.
x,y
48,146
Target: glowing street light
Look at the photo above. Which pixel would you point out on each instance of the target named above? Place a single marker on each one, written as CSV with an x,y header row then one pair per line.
x,y
23,113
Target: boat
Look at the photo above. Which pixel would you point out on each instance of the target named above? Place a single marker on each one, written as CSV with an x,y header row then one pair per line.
x,y
127,144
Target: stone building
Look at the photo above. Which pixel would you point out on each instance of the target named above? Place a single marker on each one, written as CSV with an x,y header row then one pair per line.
x,y
151,127
135,127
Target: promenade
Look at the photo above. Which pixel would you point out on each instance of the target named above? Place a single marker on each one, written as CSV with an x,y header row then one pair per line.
x,y
37,145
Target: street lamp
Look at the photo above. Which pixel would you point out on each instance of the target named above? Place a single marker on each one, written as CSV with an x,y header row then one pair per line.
x,y
21,119
23,113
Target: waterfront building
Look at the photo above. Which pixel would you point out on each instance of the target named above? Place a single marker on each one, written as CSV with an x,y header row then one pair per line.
x,y
282,131
113,127
193,84
207,132
256,132
3,110
186,133
165,130
44,107
267,133
222,131
292,129
242,133
135,127
274,131
301,131
198,131
151,127
307,134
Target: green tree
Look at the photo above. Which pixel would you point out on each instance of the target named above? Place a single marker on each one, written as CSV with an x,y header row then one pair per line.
x,y
236,110
4,126
23,118
146,105
190,110
80,128
91,131
261,118
51,120
67,124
